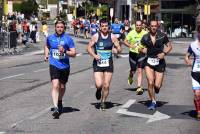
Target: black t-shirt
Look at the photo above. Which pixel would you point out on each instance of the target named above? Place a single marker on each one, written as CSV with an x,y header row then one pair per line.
x,y
154,50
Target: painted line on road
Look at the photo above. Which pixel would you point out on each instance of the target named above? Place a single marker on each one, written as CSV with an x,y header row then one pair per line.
x,y
79,54
128,103
15,124
8,77
31,117
41,70
2,132
124,55
39,113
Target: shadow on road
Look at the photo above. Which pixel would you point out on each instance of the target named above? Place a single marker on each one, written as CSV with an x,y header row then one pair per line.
x,y
108,105
134,89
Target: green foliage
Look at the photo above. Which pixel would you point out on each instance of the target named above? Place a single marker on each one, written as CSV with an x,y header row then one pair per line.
x,y
17,7
104,11
29,7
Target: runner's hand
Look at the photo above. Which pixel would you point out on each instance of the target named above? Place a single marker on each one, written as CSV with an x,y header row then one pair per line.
x,y
161,56
189,62
97,57
46,58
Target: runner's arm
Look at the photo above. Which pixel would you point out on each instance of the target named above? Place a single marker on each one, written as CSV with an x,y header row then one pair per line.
x,y
71,52
116,43
188,61
90,48
46,53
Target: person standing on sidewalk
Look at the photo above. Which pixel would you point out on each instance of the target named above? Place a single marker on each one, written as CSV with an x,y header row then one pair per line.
x,y
100,48
58,49
136,58
194,49
156,46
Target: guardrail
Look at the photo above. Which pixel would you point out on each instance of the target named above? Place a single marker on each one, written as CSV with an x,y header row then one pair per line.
x,y
8,41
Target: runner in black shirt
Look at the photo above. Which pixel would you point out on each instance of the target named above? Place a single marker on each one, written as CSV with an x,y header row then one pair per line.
x,y
157,46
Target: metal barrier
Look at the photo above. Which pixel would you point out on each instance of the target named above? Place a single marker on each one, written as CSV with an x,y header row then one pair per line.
x,y
8,41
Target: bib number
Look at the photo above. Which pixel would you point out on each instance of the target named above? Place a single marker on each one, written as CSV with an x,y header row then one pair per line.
x,y
103,63
153,61
58,55
196,67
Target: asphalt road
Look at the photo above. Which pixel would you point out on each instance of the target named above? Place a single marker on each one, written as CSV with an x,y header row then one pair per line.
x,y
25,97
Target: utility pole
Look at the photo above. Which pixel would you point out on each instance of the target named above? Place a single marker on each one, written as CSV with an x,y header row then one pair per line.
x,y
58,7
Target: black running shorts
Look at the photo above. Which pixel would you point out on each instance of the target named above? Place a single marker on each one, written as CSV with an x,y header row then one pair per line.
x,y
110,68
61,74
158,68
136,61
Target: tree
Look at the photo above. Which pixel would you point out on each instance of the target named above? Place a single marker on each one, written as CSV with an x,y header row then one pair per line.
x,y
29,7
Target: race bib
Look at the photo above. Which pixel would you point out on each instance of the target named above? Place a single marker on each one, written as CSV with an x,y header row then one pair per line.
x,y
196,67
93,30
103,63
126,28
58,55
153,61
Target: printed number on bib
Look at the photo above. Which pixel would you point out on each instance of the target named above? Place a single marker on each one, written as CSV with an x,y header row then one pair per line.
x,y
58,55
153,61
103,63
196,67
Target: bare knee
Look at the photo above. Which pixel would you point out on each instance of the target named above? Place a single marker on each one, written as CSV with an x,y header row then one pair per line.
x,y
151,83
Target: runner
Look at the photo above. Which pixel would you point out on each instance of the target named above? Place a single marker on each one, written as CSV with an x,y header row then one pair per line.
x,y
116,29
136,58
157,46
58,49
194,49
100,47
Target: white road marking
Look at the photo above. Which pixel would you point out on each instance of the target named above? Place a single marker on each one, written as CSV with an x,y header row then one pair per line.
x,y
79,54
41,70
15,124
8,77
2,132
128,103
31,117
151,118
39,113
124,55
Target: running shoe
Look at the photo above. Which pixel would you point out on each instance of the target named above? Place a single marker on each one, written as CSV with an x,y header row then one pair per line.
x,y
103,106
98,94
156,90
130,80
60,106
55,112
198,116
139,91
152,106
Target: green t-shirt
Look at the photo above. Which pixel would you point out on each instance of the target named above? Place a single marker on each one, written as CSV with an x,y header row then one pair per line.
x,y
134,38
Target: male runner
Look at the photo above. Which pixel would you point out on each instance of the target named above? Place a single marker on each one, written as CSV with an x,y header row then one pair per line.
x,y
58,49
100,48
194,49
136,58
157,46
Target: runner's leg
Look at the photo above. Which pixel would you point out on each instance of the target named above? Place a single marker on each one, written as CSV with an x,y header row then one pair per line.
x,y
150,78
106,85
158,81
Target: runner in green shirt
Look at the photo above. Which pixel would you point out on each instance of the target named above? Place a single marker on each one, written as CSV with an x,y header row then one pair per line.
x,y
136,58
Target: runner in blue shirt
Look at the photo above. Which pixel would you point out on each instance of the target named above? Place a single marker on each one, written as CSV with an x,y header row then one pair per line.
x,y
58,49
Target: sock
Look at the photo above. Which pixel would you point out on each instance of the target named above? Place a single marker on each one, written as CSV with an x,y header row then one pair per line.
x,y
195,104
59,102
198,105
154,101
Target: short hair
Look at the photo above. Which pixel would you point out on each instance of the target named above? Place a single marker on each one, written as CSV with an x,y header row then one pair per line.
x,y
104,20
60,21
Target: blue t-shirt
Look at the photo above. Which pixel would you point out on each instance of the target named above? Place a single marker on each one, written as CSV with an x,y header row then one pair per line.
x,y
57,59
116,28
